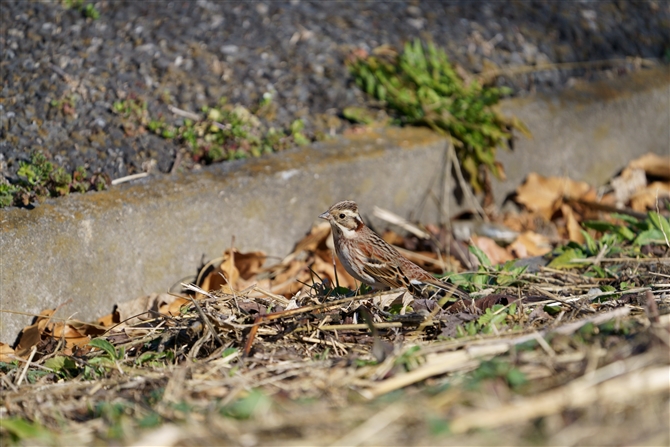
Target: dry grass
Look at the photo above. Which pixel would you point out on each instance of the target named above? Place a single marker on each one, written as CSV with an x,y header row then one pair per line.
x,y
565,365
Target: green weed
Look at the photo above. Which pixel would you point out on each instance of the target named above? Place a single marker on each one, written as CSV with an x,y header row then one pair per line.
x,y
40,178
422,88
227,132
615,239
88,10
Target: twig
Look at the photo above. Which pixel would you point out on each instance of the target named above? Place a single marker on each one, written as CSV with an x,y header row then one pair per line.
x,y
177,161
184,113
579,393
129,178
300,310
639,260
36,365
436,365
394,219
562,301
33,350
462,183
352,327
207,322
372,427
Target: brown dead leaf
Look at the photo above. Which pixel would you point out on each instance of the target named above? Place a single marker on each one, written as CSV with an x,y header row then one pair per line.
x,y
646,199
286,281
111,319
529,244
213,281
32,335
495,252
652,164
72,337
230,271
89,329
144,308
5,352
544,194
173,308
316,237
236,272
572,225
44,319
249,264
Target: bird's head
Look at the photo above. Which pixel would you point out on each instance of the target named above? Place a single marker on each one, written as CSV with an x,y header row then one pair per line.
x,y
343,216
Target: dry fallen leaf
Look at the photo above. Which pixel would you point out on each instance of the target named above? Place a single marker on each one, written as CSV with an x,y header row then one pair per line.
x,y
32,335
72,337
543,194
173,308
5,352
495,252
653,165
111,319
249,264
236,271
647,198
230,272
530,244
316,237
572,225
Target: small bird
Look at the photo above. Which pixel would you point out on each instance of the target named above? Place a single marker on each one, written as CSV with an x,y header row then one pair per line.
x,y
371,260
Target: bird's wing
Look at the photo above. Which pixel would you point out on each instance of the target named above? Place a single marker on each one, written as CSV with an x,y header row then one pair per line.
x,y
393,275
387,273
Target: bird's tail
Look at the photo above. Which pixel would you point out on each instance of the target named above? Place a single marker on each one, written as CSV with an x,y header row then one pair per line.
x,y
444,292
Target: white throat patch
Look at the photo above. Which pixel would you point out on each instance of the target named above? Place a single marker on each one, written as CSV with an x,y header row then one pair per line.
x,y
346,232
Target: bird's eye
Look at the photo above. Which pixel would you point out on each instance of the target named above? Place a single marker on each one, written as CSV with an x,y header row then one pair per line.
x,y
342,216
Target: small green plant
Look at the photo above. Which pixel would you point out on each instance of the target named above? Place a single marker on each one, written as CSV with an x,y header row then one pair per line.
x,y
67,104
132,107
502,275
21,430
254,403
40,178
410,359
422,88
297,127
494,319
626,238
63,366
88,10
154,359
227,132
109,358
497,368
7,194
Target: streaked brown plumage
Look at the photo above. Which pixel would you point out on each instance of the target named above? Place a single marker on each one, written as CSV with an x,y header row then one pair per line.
x,y
371,260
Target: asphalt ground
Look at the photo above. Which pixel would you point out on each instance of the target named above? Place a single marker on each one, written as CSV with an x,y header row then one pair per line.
x,y
62,71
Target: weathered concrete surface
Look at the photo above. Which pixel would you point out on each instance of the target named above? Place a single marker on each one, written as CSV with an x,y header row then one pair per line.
x,y
591,131
101,248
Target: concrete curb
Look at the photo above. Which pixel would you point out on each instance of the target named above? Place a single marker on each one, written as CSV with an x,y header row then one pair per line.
x,y
91,251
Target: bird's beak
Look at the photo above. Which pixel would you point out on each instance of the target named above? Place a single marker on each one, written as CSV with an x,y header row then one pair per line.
x,y
325,215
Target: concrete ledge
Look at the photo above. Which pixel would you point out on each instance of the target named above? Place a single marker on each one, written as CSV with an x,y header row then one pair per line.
x,y
592,130
102,248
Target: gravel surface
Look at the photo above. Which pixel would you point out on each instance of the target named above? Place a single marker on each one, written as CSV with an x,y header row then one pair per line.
x,y
61,72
